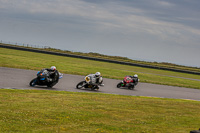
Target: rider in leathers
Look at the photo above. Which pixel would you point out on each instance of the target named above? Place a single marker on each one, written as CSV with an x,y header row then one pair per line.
x,y
135,78
97,78
53,75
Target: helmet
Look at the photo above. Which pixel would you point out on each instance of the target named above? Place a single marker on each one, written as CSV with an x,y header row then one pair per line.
x,y
53,68
97,74
135,76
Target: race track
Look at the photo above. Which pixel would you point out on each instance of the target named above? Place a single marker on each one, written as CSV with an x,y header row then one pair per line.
x,y
20,78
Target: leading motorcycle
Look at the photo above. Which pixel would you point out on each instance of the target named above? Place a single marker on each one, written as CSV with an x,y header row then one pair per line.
x,y
42,79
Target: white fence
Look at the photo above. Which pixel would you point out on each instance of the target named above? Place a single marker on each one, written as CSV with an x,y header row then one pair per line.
x,y
24,44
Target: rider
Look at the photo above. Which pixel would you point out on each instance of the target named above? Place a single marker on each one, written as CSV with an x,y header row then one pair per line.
x,y
53,75
135,78
98,79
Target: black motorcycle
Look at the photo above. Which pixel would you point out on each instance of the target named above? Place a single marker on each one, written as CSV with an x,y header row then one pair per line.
x,y
43,78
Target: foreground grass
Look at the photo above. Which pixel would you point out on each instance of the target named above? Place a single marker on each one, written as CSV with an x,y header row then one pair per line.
x,y
59,111
37,61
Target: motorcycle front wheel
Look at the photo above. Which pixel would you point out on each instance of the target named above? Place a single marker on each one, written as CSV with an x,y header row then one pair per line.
x,y
119,85
33,82
80,85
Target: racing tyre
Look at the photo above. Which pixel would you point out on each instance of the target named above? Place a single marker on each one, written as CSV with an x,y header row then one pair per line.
x,y
95,87
131,87
80,85
119,85
33,82
50,86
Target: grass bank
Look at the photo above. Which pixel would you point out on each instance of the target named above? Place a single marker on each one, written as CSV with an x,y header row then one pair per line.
x,y
37,61
59,111
115,58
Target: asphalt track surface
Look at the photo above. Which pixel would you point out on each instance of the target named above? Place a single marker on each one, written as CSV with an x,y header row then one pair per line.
x,y
19,79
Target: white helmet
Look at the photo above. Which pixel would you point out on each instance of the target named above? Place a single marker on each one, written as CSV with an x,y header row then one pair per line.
x,y
135,76
53,68
97,74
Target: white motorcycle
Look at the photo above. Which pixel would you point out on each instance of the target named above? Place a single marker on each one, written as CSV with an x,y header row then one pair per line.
x,y
90,82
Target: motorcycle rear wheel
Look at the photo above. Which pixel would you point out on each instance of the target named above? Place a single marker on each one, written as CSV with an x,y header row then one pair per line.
x,y
94,87
131,87
49,85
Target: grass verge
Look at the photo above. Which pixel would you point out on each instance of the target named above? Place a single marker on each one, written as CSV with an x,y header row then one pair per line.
x,y
59,111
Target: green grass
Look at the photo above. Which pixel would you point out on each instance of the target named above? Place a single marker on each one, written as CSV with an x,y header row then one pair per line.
x,y
118,58
37,61
60,111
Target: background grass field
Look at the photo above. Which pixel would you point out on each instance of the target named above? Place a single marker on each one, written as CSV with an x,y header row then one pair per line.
x,y
115,58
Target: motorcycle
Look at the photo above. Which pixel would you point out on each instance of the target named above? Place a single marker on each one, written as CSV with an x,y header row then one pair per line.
x,y
90,82
42,79
128,82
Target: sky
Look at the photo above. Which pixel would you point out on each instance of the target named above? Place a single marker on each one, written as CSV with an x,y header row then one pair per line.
x,y
147,30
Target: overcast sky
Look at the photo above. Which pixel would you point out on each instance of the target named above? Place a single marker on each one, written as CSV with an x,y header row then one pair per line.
x,y
152,30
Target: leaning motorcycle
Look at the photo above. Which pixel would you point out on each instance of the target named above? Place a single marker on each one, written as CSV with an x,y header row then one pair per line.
x,y
90,82
42,79
127,82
